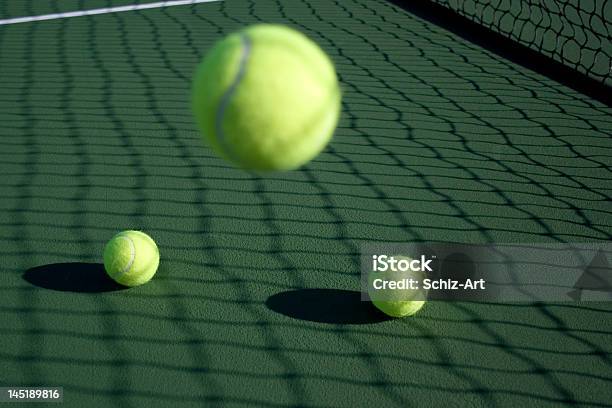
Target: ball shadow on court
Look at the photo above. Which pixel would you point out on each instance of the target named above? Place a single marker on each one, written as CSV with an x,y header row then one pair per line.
x,y
333,306
72,277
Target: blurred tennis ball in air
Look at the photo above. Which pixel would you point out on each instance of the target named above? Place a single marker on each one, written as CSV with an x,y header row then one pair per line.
x,y
266,98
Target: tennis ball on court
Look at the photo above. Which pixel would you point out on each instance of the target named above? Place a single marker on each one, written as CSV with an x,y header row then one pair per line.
x,y
131,258
401,299
266,98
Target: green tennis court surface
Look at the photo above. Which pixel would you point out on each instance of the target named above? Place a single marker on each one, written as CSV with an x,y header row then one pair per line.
x,y
255,302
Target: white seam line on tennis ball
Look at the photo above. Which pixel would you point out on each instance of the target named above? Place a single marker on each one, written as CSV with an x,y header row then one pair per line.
x,y
227,97
132,257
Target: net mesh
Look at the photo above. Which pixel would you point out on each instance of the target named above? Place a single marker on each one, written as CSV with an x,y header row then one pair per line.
x,y
577,33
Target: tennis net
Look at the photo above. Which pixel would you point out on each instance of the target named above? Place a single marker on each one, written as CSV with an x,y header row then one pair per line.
x,y
577,33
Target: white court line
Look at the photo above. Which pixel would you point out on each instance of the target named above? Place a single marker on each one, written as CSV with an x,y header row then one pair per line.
x,y
105,10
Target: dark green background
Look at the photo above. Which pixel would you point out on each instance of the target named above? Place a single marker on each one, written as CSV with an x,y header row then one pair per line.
x,y
439,140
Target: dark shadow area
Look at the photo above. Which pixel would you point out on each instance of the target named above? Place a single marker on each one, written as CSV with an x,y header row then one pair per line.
x,y
507,48
332,306
72,277
459,267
